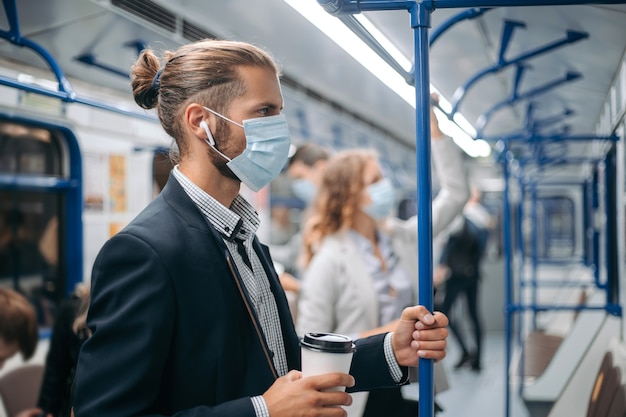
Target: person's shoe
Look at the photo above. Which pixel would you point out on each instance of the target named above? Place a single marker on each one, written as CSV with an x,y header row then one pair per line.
x,y
476,365
465,359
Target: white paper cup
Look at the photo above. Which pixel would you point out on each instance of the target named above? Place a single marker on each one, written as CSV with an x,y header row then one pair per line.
x,y
323,353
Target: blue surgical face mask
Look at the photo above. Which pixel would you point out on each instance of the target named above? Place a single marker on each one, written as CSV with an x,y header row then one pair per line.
x,y
267,149
304,189
383,197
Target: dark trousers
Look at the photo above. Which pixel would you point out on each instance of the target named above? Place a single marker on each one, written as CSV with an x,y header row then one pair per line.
x,y
389,402
454,288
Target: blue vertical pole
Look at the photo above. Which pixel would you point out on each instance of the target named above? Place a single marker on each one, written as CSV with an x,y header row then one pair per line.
x,y
534,253
420,22
523,282
519,221
508,276
74,218
586,222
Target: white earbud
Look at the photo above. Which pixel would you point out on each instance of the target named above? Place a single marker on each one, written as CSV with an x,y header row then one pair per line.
x,y
205,126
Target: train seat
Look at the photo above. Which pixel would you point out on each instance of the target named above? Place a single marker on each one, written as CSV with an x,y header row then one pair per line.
x,y
552,373
608,397
19,388
575,396
541,345
540,349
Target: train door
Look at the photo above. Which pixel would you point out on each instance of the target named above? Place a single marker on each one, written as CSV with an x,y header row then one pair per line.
x,y
40,211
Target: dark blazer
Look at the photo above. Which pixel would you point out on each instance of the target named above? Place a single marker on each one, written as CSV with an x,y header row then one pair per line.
x,y
174,331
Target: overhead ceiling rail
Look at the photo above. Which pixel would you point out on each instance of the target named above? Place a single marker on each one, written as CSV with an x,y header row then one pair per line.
x,y
572,138
529,137
467,14
507,33
537,152
345,10
515,97
65,91
409,76
89,58
534,125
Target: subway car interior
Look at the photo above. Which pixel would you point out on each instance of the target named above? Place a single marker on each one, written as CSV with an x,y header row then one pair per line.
x,y
532,91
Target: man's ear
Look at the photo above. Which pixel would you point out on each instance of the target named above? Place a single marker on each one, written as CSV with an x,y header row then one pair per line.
x,y
195,120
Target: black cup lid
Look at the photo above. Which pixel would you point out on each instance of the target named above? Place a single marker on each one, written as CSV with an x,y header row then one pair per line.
x,y
328,342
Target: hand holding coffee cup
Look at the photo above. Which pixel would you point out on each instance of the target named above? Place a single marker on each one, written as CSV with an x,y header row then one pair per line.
x,y
323,353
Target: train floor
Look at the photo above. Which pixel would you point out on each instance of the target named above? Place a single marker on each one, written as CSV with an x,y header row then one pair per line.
x,y
477,394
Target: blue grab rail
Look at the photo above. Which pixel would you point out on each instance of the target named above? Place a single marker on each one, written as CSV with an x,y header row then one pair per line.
x,y
65,91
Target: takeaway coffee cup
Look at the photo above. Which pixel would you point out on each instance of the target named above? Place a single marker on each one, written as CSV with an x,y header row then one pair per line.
x,y
326,352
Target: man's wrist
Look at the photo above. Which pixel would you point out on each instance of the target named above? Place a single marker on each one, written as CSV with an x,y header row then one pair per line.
x,y
260,406
394,367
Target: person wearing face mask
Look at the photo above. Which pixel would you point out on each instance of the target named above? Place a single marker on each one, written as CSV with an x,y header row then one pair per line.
x,y
360,263
187,315
304,169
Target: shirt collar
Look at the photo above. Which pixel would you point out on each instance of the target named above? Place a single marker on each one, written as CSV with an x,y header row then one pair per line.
x,y
239,221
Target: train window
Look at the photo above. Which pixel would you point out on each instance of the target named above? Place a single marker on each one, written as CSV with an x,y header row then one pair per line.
x,y
558,238
31,217
28,150
30,247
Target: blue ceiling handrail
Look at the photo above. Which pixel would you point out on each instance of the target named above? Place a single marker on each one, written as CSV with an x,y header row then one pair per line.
x,y
467,14
65,91
507,33
13,35
89,58
516,97
533,125
339,7
453,4
344,9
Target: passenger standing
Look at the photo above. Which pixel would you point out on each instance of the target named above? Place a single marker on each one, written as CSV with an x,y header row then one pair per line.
x,y
459,268
304,169
187,313
360,271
